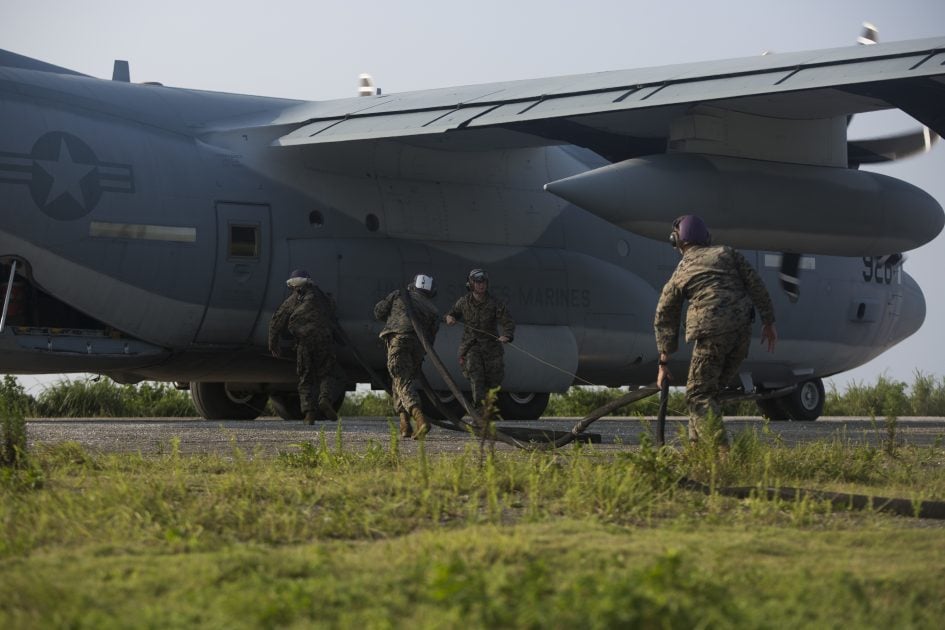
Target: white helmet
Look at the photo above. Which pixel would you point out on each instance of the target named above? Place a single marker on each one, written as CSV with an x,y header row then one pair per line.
x,y
424,283
298,278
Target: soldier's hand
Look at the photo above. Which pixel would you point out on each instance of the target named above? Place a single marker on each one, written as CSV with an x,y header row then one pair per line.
x,y
462,360
769,334
450,320
503,339
663,375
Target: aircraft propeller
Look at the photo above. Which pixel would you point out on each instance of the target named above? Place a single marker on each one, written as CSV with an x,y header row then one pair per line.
x,y
887,148
869,36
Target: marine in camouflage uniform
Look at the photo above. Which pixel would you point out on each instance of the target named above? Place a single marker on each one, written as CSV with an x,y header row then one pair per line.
x,y
487,326
308,315
721,286
404,350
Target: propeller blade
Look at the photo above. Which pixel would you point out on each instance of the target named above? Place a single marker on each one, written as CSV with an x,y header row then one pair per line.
x,y
890,148
869,35
891,260
789,275
366,85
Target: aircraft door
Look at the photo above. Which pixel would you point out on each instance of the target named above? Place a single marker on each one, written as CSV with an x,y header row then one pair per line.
x,y
240,276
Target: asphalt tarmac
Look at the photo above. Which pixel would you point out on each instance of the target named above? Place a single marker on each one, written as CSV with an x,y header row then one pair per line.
x,y
271,436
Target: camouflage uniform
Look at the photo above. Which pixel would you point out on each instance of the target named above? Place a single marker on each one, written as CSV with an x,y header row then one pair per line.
x,y
721,286
404,351
480,349
308,315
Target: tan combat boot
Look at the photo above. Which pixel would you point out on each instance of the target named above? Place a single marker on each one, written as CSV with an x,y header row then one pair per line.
x,y
310,417
423,427
405,430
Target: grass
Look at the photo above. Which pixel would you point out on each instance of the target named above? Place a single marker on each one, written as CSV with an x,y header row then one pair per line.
x,y
328,537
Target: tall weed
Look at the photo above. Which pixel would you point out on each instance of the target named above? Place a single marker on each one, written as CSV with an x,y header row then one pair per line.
x,y
928,395
13,407
101,397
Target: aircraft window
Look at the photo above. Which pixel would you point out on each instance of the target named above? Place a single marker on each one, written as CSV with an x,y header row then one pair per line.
x,y
244,241
316,219
372,223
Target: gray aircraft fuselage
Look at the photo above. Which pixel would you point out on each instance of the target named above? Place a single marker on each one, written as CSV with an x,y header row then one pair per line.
x,y
154,228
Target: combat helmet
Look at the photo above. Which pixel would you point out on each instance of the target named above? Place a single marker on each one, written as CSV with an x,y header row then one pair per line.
x,y
690,229
477,275
424,284
298,278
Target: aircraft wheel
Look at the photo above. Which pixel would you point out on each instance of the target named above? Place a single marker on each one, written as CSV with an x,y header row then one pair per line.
x,y
773,409
522,405
287,406
807,401
216,401
448,400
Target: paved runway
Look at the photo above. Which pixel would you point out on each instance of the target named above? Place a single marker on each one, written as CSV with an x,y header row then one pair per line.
x,y
268,435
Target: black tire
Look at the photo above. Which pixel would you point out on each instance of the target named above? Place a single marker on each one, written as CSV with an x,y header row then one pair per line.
x,y
215,401
773,409
806,403
522,405
287,406
448,400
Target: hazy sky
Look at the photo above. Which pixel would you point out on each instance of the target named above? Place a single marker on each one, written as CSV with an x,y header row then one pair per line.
x,y
315,49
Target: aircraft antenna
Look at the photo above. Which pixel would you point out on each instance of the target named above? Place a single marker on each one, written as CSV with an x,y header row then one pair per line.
x,y
121,71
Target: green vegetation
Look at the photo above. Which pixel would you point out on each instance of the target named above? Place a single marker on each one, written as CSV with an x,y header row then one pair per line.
x,y
13,405
886,397
103,398
367,404
321,536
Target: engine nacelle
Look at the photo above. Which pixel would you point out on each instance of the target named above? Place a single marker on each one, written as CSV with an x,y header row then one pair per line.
x,y
756,204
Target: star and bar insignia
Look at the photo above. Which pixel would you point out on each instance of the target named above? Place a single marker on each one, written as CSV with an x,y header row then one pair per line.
x,y
65,178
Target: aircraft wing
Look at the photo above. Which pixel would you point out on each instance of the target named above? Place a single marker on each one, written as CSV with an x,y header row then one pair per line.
x,y
627,113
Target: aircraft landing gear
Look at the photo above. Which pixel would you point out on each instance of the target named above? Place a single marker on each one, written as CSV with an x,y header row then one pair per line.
x,y
805,403
448,400
522,405
217,401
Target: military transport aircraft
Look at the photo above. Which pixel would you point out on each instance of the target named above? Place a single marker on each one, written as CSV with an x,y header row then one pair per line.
x,y
146,231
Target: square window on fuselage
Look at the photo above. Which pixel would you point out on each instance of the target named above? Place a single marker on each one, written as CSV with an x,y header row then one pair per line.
x,y
244,241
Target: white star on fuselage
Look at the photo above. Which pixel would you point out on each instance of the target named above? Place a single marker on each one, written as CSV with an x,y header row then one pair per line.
x,y
67,175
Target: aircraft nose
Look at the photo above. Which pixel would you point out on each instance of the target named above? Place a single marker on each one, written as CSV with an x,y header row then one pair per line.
x,y
911,310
